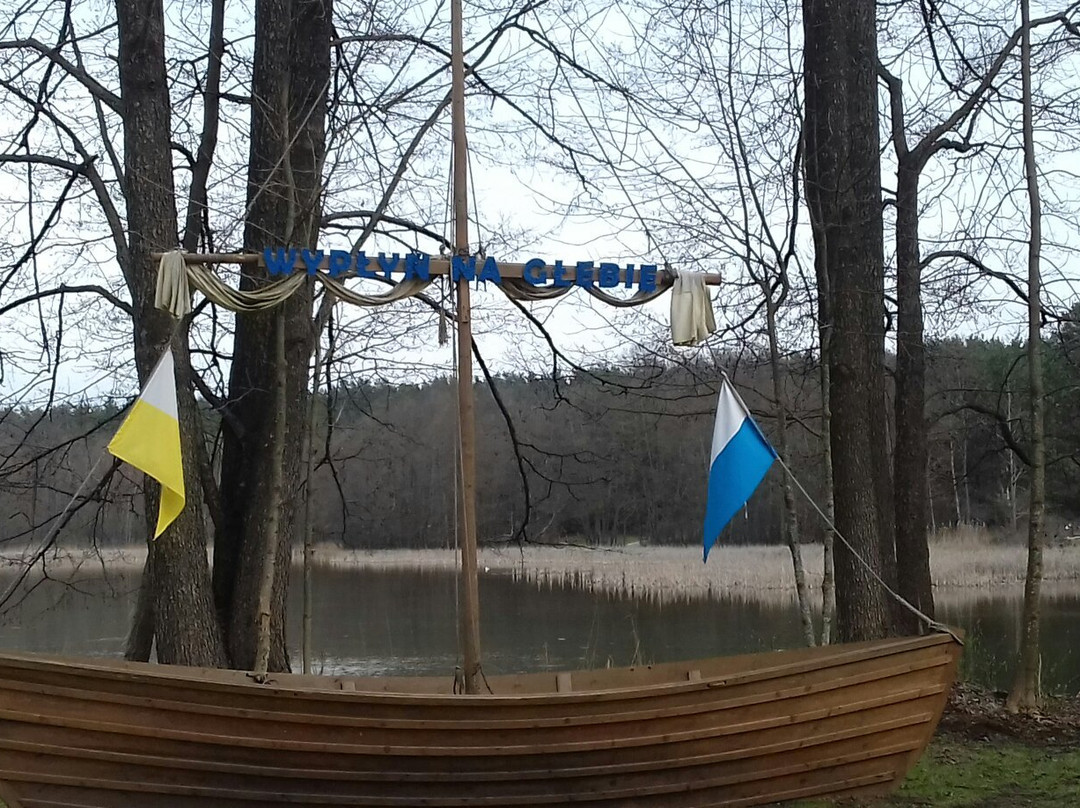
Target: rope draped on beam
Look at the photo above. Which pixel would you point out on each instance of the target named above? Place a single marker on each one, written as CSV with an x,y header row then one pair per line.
x,y
176,278
691,312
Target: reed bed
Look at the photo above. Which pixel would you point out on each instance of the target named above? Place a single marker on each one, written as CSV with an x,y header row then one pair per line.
x,y
992,565
648,572
741,572
668,573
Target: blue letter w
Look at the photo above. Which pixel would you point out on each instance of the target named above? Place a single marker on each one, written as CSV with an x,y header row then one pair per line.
x,y
279,261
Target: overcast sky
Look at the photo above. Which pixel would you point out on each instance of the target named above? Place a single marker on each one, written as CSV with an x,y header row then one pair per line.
x,y
667,195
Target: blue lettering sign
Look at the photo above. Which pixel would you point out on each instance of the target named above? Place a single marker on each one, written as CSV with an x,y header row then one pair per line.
x,y
387,263
535,271
648,278
279,261
608,276
490,271
340,262
463,268
362,266
312,260
418,265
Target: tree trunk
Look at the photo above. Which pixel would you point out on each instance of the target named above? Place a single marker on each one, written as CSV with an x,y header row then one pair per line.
x,y
140,639
828,580
277,451
955,483
912,551
931,515
291,76
843,190
34,502
790,522
967,488
309,539
184,622
1013,477
1025,690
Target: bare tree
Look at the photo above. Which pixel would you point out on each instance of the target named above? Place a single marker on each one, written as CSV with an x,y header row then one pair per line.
x,y
1024,694
956,131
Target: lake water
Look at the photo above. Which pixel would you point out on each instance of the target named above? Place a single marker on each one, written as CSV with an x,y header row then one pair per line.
x,y
404,622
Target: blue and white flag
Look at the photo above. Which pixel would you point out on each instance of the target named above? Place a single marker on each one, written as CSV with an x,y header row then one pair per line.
x,y
740,457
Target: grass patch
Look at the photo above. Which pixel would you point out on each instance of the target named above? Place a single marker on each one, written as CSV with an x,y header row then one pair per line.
x,y
958,773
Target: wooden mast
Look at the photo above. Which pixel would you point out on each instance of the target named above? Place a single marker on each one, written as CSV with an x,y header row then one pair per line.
x,y
468,592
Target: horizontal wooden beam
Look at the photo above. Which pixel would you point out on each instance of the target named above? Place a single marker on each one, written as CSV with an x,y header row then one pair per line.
x,y
538,271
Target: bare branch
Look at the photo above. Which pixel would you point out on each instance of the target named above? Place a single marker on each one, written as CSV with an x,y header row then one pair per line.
x,y
101,191
96,89
198,195
1002,423
931,142
123,305
896,109
332,218
1011,282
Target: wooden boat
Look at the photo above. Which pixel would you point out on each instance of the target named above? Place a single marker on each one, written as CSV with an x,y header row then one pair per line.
x,y
739,731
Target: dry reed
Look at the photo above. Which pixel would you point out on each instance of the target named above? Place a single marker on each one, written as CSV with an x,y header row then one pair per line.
x,y
678,572
667,573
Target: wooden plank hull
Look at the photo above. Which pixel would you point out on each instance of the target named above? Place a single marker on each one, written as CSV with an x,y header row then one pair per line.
x,y
737,731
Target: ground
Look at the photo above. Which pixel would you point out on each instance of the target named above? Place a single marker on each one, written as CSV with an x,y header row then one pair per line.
x,y
982,757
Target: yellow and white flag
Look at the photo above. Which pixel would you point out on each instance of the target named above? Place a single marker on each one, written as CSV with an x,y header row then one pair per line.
x,y
149,439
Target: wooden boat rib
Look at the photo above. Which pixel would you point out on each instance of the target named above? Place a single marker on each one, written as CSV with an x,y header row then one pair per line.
x,y
736,731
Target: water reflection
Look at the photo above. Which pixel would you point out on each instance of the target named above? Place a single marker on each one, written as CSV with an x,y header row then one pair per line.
x,y
404,622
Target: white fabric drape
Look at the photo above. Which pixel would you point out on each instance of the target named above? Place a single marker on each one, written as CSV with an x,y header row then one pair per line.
x,y
692,317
